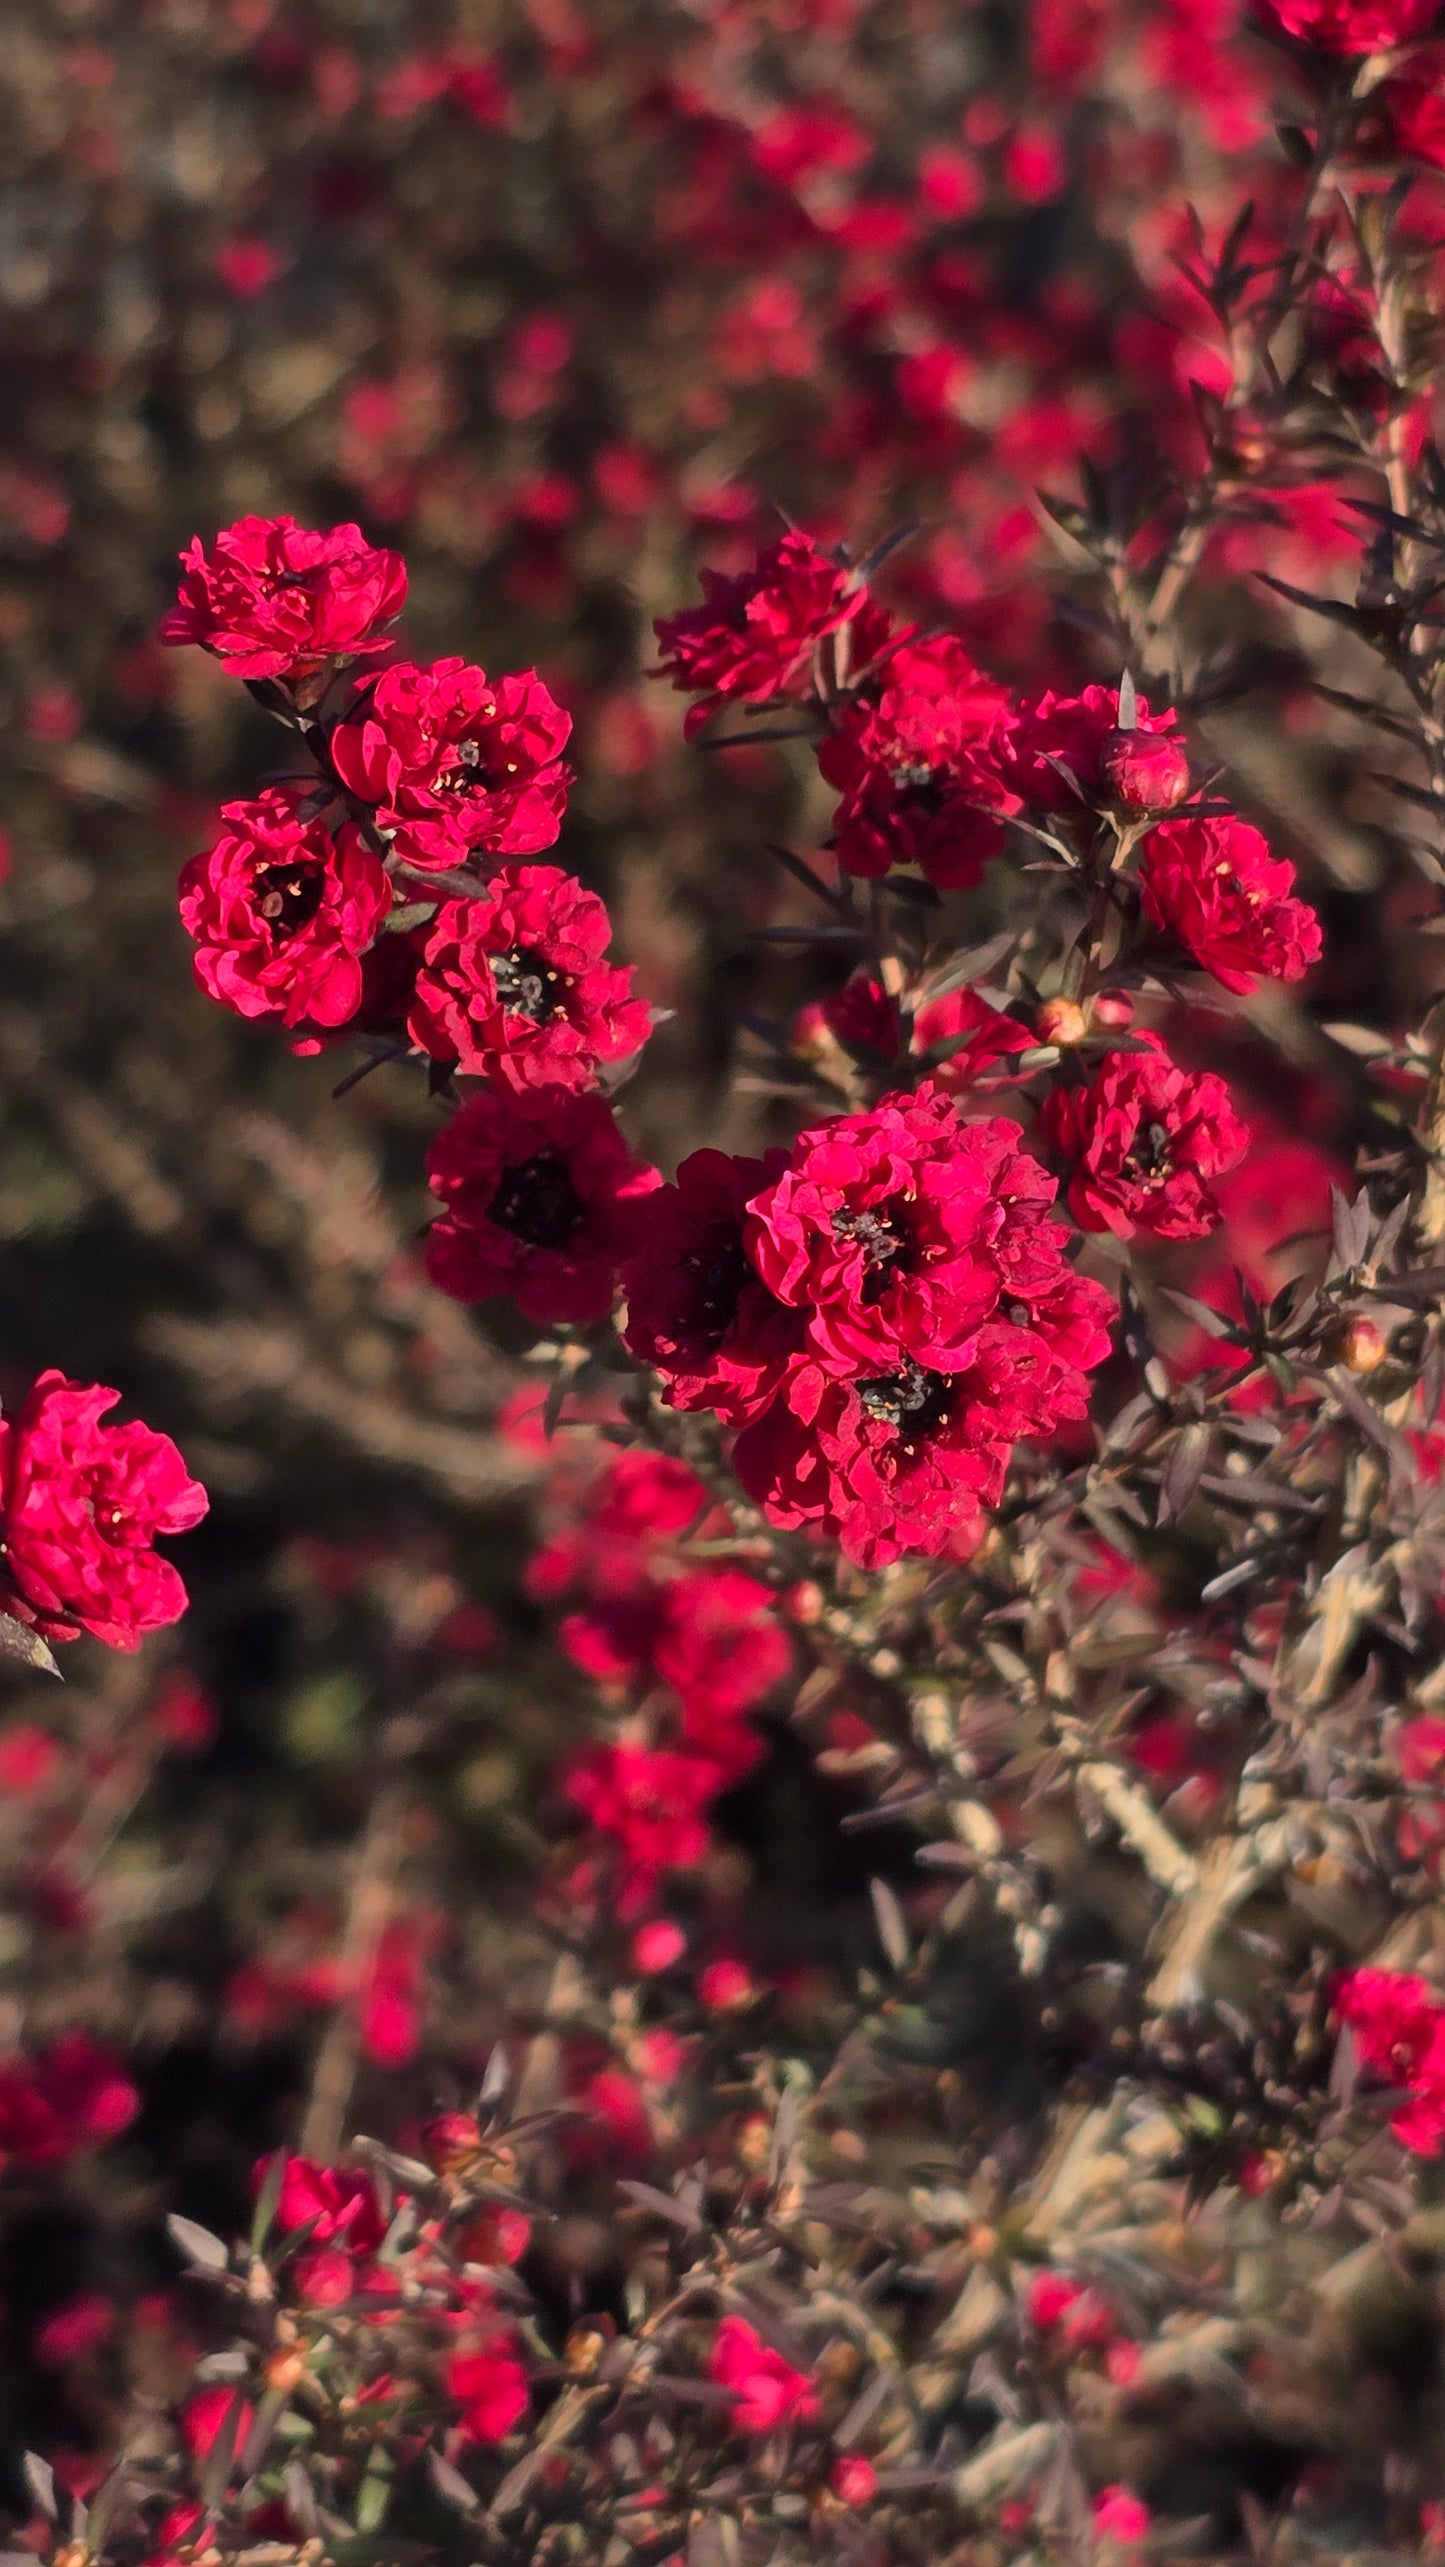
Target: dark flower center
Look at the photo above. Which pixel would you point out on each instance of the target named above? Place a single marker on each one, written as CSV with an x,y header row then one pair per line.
x,y
924,789
527,984
880,1236
915,1402
288,897
1149,1155
537,1202
467,767
719,1278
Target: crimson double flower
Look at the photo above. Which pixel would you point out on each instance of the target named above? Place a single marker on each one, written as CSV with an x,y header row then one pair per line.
x,y
1142,1140
274,599
455,763
1215,888
542,1201
513,986
81,1503
914,768
753,637
281,911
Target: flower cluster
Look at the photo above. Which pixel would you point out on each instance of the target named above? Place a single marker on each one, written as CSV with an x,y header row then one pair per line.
x,y
931,759
883,1315
380,895
699,1646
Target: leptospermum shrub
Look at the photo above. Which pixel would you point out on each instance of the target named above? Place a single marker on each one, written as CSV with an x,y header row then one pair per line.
x,y
1036,1426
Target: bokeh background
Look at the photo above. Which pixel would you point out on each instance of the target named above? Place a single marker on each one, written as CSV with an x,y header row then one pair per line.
x,y
563,299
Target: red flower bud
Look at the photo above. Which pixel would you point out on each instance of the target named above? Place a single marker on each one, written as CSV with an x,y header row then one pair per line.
x,y
1114,1010
450,2140
1061,1021
1144,770
656,1945
853,2478
1361,1346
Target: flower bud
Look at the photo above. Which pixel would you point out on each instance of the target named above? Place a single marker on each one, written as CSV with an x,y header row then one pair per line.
x,y
1061,1021
725,1987
1144,770
451,2139
754,2142
1361,1346
804,1600
285,2371
656,1945
583,2352
853,2478
1114,1010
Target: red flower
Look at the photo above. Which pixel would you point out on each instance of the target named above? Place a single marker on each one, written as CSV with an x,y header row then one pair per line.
x,y
1142,1139
1399,2028
174,2536
975,1034
455,762
338,2205
542,1201
490,2387
650,1802
73,2095
513,987
905,1461
899,1232
212,2412
914,769
274,599
1076,732
697,1311
80,1505
279,912
1121,2517
767,2390
1215,888
324,2279
720,1645
1352,26
853,2478
862,1016
754,637
78,2327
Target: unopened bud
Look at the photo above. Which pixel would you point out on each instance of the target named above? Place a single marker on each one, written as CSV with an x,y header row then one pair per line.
x,y
285,2372
451,2140
1361,1346
73,2554
583,2352
725,1987
1144,770
1248,449
1061,1021
805,1601
853,2478
1114,1010
656,1945
754,2143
